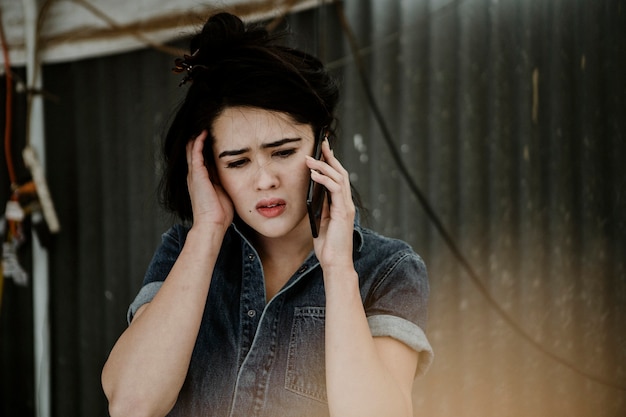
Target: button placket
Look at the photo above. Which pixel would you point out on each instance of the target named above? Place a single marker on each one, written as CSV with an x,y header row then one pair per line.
x,y
252,293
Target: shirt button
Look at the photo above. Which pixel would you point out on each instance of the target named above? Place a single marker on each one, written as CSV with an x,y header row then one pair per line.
x,y
302,269
251,313
251,257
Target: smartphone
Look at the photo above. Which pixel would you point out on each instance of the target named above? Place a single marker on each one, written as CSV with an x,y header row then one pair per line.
x,y
316,192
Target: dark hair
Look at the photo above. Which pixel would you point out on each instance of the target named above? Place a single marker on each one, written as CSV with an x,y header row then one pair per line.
x,y
233,64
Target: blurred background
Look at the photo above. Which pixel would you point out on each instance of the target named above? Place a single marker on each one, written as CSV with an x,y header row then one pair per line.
x,y
489,134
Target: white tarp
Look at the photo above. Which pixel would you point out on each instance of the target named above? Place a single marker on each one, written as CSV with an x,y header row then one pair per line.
x,y
76,29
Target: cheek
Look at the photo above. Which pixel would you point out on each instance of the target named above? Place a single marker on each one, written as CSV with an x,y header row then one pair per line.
x,y
238,198
237,184
229,183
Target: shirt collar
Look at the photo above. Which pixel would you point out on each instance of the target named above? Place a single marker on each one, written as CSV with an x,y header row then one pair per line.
x,y
357,234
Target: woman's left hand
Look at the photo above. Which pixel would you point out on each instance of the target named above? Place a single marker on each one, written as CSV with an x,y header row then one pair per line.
x,y
333,246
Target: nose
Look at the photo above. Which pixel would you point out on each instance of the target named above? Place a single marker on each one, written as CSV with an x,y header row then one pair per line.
x,y
266,177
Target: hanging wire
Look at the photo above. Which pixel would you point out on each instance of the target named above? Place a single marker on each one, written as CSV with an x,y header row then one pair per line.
x,y
8,123
13,229
134,33
7,126
434,218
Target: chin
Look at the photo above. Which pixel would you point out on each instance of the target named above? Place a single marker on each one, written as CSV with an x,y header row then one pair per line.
x,y
275,230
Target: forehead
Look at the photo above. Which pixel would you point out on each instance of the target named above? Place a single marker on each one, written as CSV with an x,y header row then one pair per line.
x,y
239,126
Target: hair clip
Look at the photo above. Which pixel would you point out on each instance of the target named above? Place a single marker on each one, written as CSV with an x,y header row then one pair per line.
x,y
186,64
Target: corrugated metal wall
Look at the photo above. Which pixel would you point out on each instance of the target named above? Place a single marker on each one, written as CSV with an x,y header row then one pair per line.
x,y
510,118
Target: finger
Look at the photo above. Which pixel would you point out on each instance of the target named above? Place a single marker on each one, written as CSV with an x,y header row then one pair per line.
x,y
325,178
323,167
340,192
195,148
327,175
188,151
331,160
326,150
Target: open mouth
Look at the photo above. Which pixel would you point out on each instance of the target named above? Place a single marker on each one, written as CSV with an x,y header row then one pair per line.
x,y
271,208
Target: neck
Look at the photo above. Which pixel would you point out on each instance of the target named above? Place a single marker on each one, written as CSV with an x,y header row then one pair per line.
x,y
283,250
281,257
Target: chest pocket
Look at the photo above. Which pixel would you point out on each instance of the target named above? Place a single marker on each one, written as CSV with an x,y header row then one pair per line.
x,y
306,370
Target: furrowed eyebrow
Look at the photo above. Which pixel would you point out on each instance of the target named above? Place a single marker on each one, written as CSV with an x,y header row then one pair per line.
x,y
233,152
280,142
274,144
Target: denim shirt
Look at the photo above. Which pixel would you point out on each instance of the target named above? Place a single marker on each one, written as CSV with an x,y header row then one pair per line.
x,y
254,358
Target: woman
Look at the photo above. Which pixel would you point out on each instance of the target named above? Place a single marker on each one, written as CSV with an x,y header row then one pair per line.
x,y
242,311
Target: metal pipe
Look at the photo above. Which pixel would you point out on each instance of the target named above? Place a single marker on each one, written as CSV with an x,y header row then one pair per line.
x,y
36,139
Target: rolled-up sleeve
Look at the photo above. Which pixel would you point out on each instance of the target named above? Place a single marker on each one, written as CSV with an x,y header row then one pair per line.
x,y
407,333
397,306
145,295
160,266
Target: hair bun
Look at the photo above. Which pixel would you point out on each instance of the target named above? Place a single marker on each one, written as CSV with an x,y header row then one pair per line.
x,y
223,36
224,33
229,56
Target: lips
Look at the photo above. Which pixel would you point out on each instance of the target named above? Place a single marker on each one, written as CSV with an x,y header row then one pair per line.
x,y
271,208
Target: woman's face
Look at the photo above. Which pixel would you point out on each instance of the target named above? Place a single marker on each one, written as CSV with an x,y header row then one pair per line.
x,y
260,160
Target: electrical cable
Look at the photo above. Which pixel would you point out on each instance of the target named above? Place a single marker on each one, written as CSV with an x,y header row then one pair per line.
x,y
7,127
134,33
8,123
438,224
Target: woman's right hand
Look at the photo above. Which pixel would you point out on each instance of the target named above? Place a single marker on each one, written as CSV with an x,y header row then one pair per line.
x,y
210,204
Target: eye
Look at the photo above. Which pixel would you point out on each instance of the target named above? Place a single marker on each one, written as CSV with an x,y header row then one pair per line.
x,y
284,153
237,163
